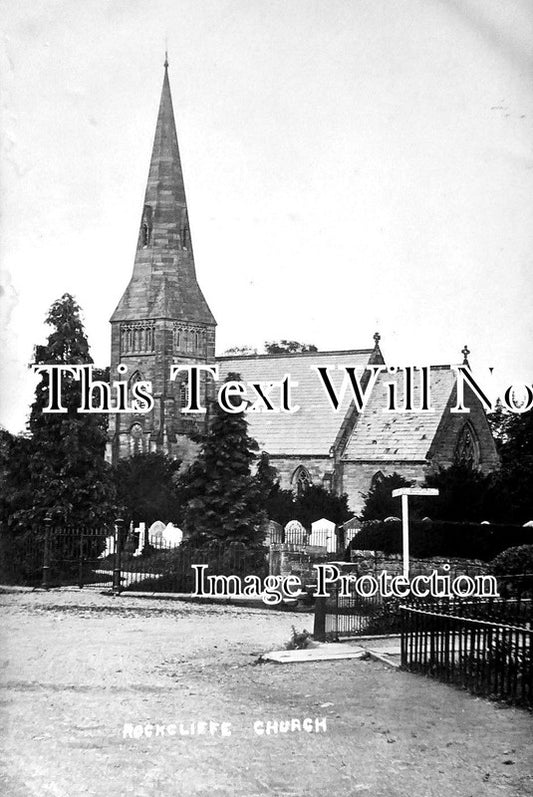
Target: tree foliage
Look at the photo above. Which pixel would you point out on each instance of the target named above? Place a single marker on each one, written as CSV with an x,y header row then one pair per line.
x,y
288,346
465,494
147,490
223,501
379,503
59,468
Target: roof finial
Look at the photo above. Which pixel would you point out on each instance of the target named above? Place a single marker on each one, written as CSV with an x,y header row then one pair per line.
x,y
377,338
465,351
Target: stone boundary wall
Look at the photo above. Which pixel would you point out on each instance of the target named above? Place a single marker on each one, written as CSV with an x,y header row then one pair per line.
x,y
293,559
375,561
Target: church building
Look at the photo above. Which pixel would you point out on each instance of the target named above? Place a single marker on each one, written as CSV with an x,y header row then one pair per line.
x,y
163,319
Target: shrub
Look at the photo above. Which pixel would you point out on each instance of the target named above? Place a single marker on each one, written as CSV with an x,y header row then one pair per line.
x,y
514,566
440,538
299,640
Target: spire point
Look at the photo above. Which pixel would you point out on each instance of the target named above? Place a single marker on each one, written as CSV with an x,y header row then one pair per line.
x,y
166,59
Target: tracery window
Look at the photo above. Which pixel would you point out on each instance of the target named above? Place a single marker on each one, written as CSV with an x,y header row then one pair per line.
x,y
301,480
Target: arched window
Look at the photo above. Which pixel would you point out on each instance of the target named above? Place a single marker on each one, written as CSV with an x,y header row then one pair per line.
x,y
467,448
301,480
135,377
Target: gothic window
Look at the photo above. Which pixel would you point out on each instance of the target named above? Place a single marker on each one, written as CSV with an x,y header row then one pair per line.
x,y
301,480
135,377
136,439
467,448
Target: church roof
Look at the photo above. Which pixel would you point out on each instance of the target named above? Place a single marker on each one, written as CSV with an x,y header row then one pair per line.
x,y
164,284
313,429
399,436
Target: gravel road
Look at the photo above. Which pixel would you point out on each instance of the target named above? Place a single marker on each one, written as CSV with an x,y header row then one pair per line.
x,y
115,696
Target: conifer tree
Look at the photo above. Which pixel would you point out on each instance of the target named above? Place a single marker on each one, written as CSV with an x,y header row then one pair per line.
x,y
59,468
223,497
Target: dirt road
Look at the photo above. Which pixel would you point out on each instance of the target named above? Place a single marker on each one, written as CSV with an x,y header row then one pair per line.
x,y
94,689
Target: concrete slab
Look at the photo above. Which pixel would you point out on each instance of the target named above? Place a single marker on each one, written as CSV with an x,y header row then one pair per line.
x,y
328,652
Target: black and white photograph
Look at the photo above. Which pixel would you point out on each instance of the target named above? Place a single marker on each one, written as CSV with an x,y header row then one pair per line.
x,y
266,398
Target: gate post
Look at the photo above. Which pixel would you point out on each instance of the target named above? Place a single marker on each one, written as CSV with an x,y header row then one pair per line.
x,y
45,583
319,629
119,522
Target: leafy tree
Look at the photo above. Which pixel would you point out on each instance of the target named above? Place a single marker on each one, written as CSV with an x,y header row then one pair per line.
x,y
291,346
515,479
514,567
59,468
241,350
379,503
146,488
278,504
222,496
465,494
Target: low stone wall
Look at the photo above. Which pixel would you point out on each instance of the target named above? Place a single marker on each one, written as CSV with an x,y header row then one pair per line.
x,y
375,561
292,559
288,558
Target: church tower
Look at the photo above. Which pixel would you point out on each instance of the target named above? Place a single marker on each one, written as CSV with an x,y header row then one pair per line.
x,y
163,317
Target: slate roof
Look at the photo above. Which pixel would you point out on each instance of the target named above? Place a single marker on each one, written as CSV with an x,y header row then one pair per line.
x,y
312,430
398,436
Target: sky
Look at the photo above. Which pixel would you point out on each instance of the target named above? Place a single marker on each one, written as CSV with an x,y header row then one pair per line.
x,y
351,166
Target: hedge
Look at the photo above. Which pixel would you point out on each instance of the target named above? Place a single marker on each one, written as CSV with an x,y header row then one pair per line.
x,y
441,538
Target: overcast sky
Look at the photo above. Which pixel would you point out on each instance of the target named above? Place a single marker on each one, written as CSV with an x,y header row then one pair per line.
x,y
350,166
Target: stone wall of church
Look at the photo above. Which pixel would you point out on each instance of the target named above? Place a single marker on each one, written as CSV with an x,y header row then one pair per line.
x,y
357,478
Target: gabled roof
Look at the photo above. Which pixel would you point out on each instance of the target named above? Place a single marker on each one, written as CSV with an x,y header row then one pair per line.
x,y
380,435
313,429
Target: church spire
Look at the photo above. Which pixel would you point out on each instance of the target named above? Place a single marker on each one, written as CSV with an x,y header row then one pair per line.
x,y
164,283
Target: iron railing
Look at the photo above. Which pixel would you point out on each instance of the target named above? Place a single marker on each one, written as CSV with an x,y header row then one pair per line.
x,y
485,657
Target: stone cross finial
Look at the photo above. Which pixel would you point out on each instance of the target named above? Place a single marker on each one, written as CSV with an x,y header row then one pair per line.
x,y
377,338
465,351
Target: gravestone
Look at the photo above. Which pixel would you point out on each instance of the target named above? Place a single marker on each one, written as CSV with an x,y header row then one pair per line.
x,y
141,530
274,532
109,547
295,533
172,536
323,535
155,534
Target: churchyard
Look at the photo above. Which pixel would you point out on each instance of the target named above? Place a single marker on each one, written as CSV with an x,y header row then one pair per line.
x,y
94,689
